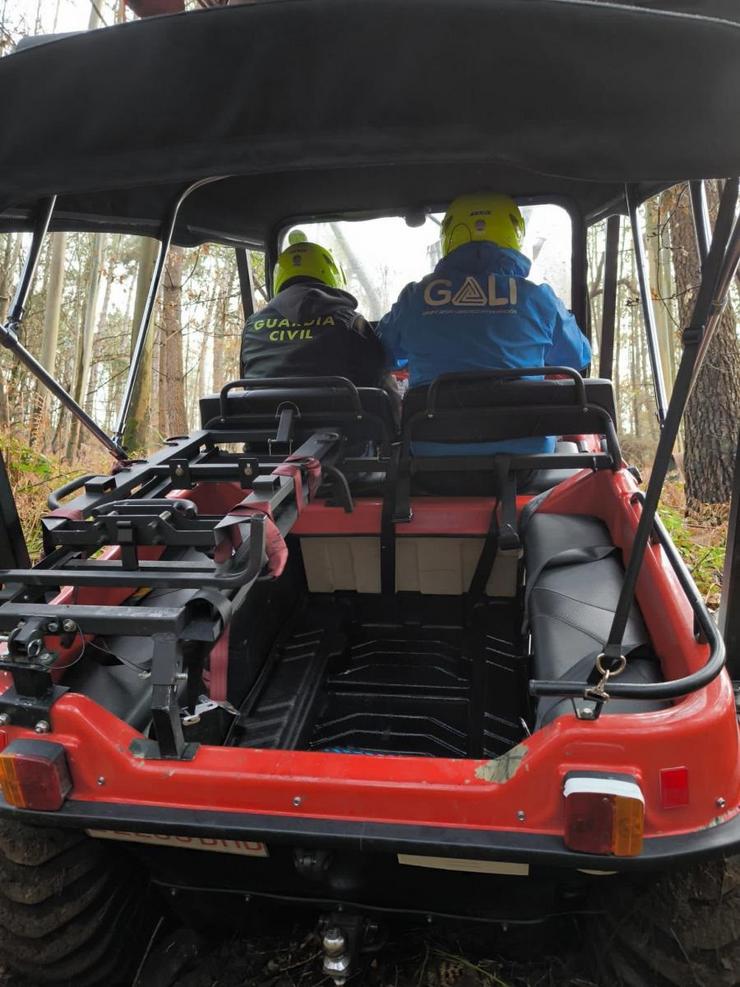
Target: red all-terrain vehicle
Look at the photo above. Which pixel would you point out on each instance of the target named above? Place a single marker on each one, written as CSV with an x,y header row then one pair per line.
x,y
264,641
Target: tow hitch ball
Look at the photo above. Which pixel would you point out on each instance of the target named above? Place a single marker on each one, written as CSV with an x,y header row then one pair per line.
x,y
343,938
337,960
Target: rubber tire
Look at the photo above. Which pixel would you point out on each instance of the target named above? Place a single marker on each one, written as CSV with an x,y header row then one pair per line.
x,y
678,930
73,910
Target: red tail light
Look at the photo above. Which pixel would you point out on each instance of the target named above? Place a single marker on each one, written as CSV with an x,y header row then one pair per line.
x,y
34,775
604,815
674,787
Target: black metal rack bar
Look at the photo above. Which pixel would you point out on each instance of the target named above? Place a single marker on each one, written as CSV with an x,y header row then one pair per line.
x,y
246,288
609,307
700,212
41,228
129,509
117,520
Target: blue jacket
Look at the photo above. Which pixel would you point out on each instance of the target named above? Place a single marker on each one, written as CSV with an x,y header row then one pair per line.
x,y
477,311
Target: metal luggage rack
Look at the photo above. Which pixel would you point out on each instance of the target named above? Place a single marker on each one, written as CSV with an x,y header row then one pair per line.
x,y
128,510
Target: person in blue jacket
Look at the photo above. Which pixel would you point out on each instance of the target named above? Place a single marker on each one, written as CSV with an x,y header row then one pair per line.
x,y
477,310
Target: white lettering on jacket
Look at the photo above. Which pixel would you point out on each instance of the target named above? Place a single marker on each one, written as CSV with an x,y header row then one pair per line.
x,y
471,293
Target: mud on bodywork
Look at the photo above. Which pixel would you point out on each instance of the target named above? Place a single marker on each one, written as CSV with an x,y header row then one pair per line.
x,y
501,769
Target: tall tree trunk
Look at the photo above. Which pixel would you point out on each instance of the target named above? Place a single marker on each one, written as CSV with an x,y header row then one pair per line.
x,y
136,433
173,390
95,20
162,417
660,281
83,356
55,286
356,266
6,279
220,342
90,385
713,411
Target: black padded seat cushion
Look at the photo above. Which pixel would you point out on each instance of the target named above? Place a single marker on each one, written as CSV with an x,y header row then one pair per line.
x,y
574,578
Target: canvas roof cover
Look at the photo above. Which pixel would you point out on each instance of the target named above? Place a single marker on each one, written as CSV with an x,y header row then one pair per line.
x,y
329,107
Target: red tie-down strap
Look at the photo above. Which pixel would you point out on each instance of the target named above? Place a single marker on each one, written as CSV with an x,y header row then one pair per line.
x,y
215,677
70,514
124,464
275,547
292,467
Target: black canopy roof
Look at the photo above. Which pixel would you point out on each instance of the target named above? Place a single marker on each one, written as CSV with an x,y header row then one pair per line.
x,y
328,107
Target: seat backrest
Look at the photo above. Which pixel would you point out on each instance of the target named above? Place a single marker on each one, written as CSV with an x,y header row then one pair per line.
x,y
360,414
462,408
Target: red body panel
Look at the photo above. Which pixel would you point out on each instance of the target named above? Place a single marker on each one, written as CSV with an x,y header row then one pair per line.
x,y
699,732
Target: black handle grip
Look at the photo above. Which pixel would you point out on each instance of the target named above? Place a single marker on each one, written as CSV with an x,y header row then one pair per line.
x,y
299,383
55,497
505,374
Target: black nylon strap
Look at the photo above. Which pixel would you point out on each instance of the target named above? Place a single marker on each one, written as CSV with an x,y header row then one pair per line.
x,y
530,509
508,536
387,526
486,559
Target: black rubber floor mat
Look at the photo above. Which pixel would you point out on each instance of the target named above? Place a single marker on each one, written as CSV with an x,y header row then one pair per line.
x,y
413,676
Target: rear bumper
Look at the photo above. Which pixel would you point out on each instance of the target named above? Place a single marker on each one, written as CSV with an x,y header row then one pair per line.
x,y
536,849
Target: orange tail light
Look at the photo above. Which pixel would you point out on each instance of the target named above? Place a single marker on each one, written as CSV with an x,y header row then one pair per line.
x,y
604,815
34,775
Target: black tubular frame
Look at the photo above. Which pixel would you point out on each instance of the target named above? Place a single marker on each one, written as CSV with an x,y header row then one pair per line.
x,y
518,373
40,229
246,287
609,306
165,240
9,331
646,298
718,273
9,336
262,383
533,461
700,212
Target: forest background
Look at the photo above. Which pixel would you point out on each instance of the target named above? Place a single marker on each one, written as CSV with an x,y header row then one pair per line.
x,y
90,290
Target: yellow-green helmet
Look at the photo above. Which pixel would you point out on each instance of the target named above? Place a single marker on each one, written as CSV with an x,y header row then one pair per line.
x,y
307,260
491,218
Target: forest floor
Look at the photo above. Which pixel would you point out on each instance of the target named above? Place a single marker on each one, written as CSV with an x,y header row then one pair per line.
x,y
288,953
410,957
290,956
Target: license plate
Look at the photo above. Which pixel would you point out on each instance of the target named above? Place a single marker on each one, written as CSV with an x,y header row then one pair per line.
x,y
212,844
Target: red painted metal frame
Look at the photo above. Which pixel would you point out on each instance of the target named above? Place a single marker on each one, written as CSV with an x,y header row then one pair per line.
x,y
699,732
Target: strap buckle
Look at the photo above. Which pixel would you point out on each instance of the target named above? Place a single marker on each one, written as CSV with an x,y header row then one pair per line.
x,y
508,539
598,691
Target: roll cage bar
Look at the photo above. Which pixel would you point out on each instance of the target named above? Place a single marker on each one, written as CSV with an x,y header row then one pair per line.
x,y
720,255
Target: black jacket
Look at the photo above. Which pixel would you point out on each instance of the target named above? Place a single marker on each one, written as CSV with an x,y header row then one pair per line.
x,y
309,330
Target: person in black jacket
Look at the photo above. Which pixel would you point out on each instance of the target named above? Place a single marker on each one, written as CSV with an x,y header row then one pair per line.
x,y
311,327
